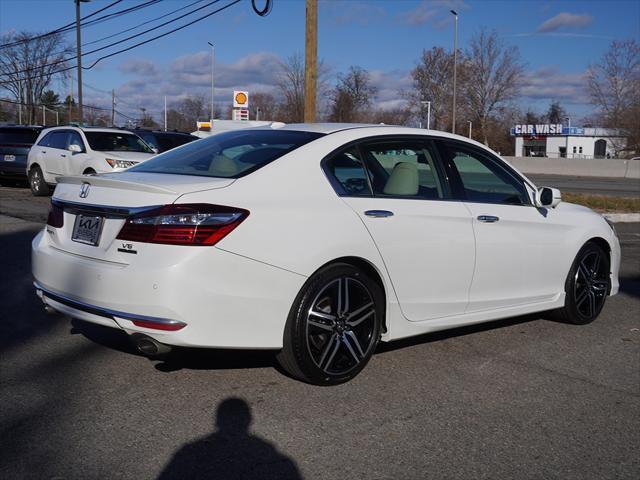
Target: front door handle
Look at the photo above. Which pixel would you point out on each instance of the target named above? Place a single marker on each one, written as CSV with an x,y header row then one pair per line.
x,y
378,213
488,218
63,155
43,151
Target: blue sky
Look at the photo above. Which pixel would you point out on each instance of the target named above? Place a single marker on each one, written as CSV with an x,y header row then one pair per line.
x,y
557,41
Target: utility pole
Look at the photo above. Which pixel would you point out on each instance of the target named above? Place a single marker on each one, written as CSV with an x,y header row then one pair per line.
x,y
455,67
79,60
213,91
113,107
165,113
470,125
44,116
311,62
70,99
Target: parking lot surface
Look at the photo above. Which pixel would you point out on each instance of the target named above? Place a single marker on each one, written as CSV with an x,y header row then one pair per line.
x,y
521,398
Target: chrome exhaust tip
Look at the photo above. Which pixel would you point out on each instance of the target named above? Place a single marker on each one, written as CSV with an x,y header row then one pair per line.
x,y
148,346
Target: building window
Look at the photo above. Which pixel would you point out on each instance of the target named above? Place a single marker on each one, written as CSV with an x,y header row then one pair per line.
x,y
574,149
580,151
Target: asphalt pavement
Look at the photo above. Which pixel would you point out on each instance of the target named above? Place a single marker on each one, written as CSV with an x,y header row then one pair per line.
x,y
617,187
523,398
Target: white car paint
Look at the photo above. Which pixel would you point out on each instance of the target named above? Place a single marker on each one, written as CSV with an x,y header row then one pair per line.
x,y
56,162
439,267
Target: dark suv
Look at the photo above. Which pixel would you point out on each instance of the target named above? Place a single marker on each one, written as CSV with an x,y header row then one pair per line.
x,y
15,142
163,141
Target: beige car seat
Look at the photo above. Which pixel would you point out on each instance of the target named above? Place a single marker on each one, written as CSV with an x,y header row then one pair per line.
x,y
223,166
403,180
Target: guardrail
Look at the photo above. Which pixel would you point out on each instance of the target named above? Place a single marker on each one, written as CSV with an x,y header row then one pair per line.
x,y
582,167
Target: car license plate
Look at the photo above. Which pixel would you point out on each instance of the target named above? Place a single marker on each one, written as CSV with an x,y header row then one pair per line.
x,y
9,158
87,230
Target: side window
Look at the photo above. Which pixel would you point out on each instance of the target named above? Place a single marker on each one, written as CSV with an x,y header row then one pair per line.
x,y
46,140
484,179
346,168
59,140
404,168
75,139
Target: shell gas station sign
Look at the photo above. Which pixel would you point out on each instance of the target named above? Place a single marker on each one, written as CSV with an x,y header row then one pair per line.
x,y
240,99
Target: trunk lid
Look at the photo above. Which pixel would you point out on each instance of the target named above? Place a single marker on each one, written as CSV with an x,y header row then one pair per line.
x,y
108,200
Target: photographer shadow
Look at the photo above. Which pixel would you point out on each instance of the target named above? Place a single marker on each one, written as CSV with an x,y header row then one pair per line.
x,y
231,452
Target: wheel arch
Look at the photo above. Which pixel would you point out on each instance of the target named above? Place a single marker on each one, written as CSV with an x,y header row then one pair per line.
x,y
370,269
601,242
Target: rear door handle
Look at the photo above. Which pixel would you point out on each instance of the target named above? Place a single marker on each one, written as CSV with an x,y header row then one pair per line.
x,y
43,151
63,155
488,218
378,213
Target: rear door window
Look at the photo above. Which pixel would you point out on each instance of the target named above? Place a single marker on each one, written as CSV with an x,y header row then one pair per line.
x,y
347,172
405,168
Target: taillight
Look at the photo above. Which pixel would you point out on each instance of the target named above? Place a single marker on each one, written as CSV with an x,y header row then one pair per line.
x,y
56,216
183,224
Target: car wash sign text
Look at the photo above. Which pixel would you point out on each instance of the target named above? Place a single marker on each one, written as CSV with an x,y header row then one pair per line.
x,y
539,129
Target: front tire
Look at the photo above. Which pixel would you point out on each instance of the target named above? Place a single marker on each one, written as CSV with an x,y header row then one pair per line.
x,y
333,327
38,185
587,286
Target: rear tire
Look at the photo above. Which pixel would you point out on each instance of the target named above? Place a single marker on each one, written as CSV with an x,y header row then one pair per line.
x,y
333,327
39,187
587,286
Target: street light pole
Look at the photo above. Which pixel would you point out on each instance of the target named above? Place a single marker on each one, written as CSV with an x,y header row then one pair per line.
x,y
428,104
79,59
455,67
470,125
212,84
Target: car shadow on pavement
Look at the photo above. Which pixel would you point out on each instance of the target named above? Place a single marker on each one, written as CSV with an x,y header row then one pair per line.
x,y
231,452
458,332
178,358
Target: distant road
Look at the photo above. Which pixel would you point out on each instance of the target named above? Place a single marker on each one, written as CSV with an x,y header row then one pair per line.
x,y
618,187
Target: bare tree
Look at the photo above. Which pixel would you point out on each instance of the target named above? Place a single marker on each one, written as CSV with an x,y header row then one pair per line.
x,y
493,72
263,106
352,96
29,65
291,86
290,83
614,86
432,81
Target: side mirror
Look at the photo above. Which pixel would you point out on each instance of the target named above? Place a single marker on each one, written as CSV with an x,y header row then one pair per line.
x,y
73,148
547,197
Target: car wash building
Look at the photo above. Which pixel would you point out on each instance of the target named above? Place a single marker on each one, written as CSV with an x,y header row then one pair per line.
x,y
557,141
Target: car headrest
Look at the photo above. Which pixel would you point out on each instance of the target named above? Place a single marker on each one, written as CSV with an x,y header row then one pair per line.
x,y
403,180
223,166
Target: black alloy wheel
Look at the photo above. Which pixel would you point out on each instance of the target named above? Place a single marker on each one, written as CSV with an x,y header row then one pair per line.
x,y
587,286
334,326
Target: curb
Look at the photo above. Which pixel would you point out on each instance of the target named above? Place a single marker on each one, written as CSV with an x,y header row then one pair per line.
x,y
622,217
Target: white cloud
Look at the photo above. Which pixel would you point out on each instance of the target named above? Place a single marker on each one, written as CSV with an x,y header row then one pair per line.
x,y
565,20
435,12
549,83
139,67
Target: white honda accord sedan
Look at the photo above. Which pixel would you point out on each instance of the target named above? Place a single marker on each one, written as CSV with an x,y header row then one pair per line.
x,y
319,241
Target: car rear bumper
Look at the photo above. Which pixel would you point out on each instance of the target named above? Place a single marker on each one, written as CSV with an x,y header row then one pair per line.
x,y
222,299
16,170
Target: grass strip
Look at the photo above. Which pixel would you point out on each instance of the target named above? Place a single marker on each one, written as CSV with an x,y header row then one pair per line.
x,y
603,203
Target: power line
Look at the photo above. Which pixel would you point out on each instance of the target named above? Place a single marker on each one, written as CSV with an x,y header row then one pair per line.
x,y
135,45
64,60
141,24
64,28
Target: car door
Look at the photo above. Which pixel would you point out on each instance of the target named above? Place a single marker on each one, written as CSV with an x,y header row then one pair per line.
x,y
398,189
73,163
56,153
519,253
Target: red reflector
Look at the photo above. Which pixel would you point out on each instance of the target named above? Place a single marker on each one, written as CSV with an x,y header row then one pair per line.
x,y
194,224
171,327
56,216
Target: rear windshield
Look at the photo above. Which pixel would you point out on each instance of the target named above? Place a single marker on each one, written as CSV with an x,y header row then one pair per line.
x,y
227,155
116,142
19,135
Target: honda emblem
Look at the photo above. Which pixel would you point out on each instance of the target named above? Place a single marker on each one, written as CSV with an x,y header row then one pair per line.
x,y
84,190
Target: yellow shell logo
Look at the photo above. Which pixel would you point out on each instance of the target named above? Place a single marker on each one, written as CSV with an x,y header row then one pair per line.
x,y
241,98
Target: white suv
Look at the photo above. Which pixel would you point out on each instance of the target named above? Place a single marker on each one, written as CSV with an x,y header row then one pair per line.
x,y
87,151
